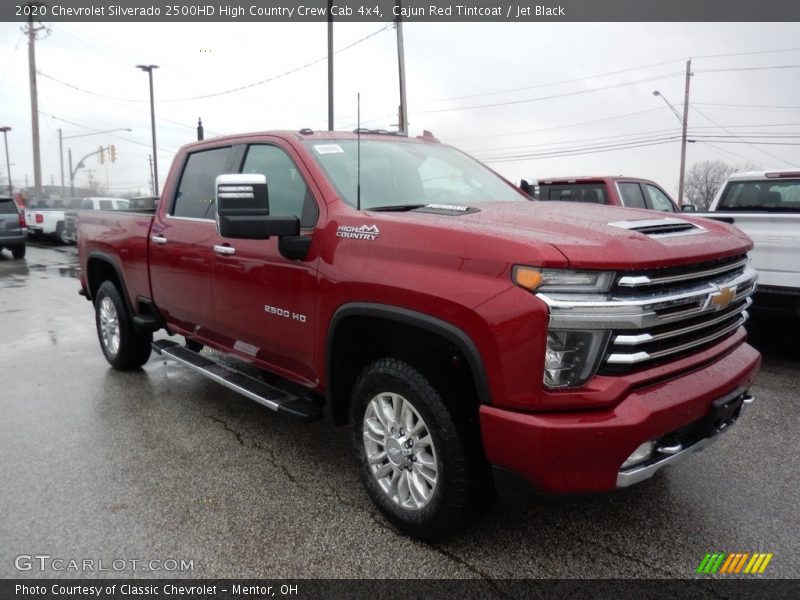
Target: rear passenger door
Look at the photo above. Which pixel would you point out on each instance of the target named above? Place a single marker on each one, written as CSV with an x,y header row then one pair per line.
x,y
182,243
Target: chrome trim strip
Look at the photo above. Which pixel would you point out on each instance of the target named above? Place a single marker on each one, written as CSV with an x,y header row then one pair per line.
x,y
575,311
637,280
643,338
195,219
637,357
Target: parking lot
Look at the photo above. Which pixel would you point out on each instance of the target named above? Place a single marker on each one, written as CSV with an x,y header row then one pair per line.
x,y
163,465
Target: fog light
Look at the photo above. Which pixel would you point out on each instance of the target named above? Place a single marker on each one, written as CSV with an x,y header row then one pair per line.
x,y
641,454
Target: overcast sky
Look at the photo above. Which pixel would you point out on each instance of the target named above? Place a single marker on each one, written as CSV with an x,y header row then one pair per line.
x,y
560,99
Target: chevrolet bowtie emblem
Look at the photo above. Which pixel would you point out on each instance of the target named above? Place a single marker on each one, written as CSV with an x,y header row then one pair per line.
x,y
722,298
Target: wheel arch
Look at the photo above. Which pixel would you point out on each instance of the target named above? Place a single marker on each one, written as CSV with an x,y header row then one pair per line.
x,y
353,317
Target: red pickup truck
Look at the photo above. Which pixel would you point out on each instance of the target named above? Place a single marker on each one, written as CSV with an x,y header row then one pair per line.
x,y
476,341
615,190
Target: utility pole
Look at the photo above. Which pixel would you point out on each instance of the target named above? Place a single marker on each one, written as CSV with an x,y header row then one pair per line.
x,y
683,137
402,123
5,131
330,66
71,175
37,165
149,69
152,183
61,155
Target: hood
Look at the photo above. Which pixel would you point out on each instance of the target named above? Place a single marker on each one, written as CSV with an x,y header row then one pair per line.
x,y
588,236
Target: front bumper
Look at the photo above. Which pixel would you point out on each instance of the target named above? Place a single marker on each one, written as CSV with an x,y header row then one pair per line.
x,y
570,452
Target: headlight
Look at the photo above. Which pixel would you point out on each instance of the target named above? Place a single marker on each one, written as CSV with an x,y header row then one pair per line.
x,y
571,357
561,280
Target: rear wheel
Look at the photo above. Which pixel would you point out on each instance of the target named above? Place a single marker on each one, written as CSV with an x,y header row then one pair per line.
x,y
124,347
18,251
412,452
61,233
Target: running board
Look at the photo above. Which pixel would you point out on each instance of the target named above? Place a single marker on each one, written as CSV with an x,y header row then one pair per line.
x,y
255,389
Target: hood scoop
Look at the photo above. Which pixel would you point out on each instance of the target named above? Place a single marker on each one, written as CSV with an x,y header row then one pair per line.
x,y
659,228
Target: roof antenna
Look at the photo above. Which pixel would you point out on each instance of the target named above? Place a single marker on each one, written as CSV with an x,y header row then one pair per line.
x,y
358,151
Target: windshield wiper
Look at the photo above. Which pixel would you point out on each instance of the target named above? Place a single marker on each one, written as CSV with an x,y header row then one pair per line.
x,y
396,207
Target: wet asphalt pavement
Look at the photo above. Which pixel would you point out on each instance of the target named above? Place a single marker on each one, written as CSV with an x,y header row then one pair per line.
x,y
162,464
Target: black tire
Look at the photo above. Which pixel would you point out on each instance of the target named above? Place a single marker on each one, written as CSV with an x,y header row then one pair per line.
x,y
18,251
452,499
60,234
124,347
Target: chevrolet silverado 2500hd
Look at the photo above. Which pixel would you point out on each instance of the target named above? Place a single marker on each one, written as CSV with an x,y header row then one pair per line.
x,y
474,339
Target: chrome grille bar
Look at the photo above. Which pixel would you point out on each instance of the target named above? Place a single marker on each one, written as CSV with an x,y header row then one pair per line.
x,y
641,356
641,280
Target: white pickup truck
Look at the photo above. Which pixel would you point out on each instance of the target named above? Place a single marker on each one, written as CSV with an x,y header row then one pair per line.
x,y
766,206
48,217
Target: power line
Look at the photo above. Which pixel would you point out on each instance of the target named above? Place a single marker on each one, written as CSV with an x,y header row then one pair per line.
x,y
554,96
705,116
746,69
578,152
223,92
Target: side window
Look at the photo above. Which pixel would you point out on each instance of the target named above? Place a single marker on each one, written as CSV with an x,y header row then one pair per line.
x,y
86,204
106,205
195,196
657,199
631,195
288,194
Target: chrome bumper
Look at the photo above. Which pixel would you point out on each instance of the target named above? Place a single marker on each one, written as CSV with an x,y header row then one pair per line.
x,y
671,455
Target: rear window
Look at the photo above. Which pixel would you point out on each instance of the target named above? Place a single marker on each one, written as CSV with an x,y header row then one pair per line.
x,y
7,206
761,196
594,193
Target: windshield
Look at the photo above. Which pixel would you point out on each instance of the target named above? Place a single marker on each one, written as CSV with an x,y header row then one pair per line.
x,y
395,173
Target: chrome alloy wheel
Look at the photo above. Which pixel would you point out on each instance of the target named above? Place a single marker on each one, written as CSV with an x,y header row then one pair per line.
x,y
109,326
400,451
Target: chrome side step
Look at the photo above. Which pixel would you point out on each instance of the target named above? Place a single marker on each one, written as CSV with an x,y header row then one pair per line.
x,y
270,396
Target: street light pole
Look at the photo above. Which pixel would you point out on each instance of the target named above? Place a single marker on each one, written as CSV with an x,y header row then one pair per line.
x,y
61,152
5,131
149,69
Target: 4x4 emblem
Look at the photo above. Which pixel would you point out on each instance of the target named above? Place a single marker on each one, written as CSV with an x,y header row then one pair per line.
x,y
722,298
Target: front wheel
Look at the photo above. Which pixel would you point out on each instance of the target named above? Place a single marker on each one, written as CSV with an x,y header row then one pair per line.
x,y
412,453
124,347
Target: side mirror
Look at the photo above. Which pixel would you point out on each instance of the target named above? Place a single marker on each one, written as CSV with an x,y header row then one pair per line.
x,y
243,209
688,208
526,187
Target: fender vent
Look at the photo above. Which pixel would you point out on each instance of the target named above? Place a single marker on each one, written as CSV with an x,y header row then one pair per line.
x,y
660,227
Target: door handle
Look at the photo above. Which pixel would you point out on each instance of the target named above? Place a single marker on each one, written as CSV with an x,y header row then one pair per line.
x,y
158,239
225,250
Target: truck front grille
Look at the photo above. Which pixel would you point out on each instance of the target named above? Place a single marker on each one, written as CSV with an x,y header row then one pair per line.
x,y
659,315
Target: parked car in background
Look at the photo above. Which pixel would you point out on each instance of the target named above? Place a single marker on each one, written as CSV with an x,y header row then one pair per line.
x,y
71,216
632,192
13,232
46,217
766,206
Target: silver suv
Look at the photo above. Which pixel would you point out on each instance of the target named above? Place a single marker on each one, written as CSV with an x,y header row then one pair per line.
x,y
13,232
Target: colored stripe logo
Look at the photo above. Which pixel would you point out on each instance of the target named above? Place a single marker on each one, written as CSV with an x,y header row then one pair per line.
x,y
734,563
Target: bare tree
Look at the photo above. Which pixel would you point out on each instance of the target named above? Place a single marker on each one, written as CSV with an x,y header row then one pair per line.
x,y
703,179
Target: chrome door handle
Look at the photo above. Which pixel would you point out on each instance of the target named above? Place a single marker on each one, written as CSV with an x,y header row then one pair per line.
x,y
225,250
158,239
